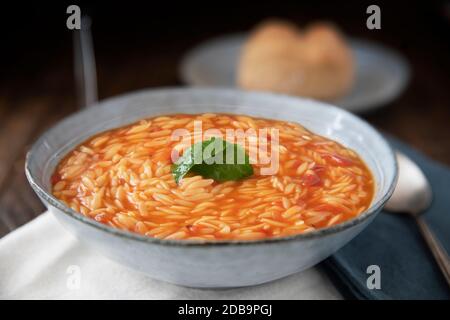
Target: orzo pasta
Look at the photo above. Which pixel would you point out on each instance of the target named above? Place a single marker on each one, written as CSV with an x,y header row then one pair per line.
x,y
123,178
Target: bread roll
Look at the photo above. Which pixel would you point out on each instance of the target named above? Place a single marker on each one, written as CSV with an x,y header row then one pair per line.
x,y
315,63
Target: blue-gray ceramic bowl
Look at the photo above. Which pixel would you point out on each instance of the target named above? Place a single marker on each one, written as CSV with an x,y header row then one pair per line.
x,y
212,264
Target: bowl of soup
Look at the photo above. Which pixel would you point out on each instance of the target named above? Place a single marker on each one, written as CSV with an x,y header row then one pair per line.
x,y
213,187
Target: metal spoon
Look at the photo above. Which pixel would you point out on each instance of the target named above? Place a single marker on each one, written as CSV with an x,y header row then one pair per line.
x,y
84,64
412,195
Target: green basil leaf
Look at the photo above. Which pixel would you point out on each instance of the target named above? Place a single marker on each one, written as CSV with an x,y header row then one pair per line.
x,y
214,158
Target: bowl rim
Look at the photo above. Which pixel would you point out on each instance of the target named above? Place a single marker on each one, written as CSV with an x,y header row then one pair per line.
x,y
53,201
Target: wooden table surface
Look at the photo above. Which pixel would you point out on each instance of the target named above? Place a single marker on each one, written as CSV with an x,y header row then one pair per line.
x,y
37,87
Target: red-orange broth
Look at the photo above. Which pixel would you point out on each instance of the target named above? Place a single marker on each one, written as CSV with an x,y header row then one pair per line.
x,y
123,178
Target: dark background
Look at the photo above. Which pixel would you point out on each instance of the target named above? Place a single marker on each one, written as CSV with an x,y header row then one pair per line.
x,y
140,44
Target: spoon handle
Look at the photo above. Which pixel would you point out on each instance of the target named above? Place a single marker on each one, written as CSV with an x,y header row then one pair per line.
x,y
84,63
439,253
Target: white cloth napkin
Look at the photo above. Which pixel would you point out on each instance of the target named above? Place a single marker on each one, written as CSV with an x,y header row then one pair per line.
x,y
41,260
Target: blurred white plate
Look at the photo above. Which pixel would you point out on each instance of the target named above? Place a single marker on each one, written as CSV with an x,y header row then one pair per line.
x,y
381,74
